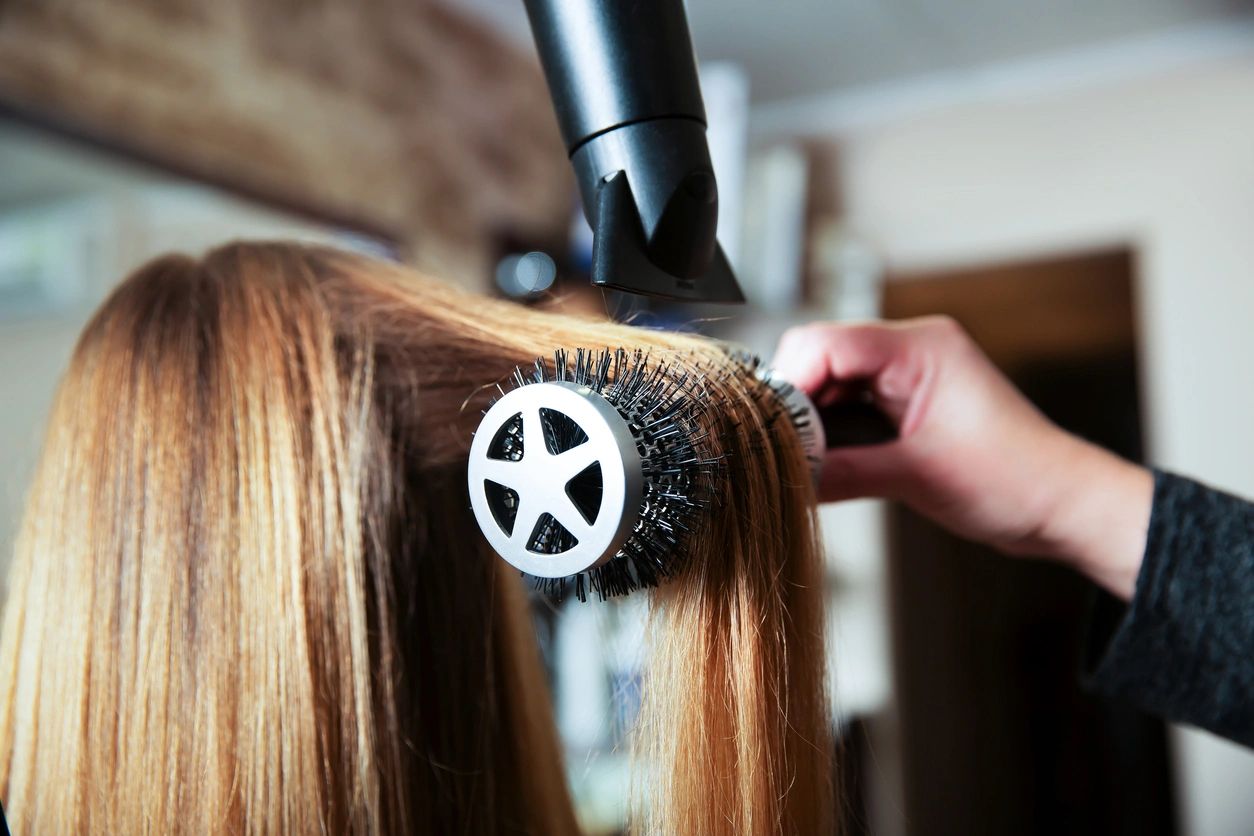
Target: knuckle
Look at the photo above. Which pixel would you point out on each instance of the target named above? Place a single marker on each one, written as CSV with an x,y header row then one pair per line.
x,y
946,327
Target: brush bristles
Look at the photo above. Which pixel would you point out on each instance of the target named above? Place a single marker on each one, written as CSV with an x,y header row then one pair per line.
x,y
801,420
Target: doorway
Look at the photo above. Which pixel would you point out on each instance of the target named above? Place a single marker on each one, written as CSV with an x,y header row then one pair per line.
x,y
999,735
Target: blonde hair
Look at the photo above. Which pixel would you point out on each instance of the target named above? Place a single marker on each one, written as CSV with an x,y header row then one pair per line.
x,y
248,594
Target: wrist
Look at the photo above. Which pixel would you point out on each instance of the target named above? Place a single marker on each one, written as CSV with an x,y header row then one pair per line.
x,y
1100,518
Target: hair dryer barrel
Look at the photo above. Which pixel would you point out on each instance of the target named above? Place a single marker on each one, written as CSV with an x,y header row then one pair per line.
x,y
624,85
612,63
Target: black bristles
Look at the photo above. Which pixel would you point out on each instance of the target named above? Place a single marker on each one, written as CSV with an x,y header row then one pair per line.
x,y
773,396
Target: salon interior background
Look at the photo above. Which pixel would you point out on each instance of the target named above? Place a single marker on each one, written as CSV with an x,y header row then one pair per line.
x,y
1075,182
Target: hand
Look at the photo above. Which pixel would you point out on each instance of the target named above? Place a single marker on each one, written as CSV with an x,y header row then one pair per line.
x,y
973,454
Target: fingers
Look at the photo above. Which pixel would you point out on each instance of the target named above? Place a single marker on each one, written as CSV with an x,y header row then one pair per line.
x,y
810,356
857,472
824,359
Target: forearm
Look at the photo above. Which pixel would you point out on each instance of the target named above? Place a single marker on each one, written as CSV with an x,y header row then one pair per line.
x,y
1098,519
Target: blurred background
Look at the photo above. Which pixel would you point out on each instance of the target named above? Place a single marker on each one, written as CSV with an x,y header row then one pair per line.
x,y
1073,181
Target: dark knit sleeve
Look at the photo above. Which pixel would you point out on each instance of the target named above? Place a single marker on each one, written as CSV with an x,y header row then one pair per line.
x,y
1183,648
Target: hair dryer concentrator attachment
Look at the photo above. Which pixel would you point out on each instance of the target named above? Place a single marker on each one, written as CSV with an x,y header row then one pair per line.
x,y
624,85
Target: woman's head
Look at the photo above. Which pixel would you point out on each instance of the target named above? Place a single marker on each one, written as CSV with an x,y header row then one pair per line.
x,y
249,594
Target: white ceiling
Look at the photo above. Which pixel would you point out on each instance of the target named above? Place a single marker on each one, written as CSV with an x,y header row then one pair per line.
x,y
796,48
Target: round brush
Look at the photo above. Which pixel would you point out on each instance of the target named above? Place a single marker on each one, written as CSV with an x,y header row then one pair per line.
x,y
594,474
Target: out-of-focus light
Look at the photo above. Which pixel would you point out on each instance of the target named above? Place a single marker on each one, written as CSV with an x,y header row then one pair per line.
x,y
525,275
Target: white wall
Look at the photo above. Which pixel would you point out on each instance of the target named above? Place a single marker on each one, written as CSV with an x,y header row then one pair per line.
x,y
1164,162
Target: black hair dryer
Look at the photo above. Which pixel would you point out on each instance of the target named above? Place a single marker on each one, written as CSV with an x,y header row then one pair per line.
x,y
624,84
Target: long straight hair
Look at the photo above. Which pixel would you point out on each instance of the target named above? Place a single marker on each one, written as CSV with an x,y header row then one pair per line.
x,y
248,594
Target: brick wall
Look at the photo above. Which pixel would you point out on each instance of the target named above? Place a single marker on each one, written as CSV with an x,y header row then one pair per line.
x,y
403,116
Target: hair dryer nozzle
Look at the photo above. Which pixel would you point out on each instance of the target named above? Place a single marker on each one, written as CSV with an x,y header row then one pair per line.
x,y
621,259
624,85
